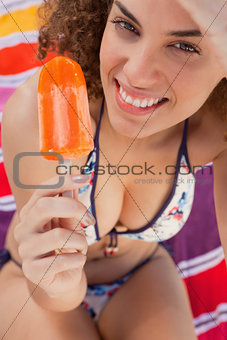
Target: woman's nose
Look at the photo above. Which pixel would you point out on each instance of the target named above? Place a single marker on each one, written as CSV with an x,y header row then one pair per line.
x,y
143,69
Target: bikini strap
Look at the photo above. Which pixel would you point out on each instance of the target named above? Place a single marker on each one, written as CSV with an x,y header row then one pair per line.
x,y
184,138
5,256
96,144
96,150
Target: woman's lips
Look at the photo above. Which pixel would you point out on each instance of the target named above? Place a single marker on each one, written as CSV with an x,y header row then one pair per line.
x,y
139,111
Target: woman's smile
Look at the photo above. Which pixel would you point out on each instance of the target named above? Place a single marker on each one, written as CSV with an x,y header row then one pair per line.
x,y
135,105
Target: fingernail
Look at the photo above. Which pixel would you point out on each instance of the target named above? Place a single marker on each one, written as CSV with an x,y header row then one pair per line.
x,y
89,218
80,178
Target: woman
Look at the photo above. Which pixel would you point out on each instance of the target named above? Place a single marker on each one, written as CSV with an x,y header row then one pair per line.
x,y
150,101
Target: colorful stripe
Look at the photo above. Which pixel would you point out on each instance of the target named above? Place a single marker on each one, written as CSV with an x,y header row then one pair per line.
x,y
24,57
5,189
206,322
7,6
5,94
18,21
15,80
207,290
7,203
17,38
201,263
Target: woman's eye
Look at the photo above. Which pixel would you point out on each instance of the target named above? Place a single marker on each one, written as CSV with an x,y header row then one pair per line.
x,y
124,25
187,48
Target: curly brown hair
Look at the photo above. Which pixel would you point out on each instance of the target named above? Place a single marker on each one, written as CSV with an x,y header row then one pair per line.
x,y
75,28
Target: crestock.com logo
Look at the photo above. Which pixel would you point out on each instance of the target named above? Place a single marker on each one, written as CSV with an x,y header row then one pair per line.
x,y
137,170
16,176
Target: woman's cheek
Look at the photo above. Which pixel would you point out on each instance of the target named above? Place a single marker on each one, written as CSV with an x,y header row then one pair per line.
x,y
108,45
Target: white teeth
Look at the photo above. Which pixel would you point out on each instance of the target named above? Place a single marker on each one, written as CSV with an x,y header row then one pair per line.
x,y
156,101
129,100
124,95
136,103
151,102
144,103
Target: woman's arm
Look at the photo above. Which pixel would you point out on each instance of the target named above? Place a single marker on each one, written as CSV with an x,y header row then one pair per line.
x,y
20,134
211,17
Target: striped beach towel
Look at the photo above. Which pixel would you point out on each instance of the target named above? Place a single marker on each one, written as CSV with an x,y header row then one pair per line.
x,y
197,250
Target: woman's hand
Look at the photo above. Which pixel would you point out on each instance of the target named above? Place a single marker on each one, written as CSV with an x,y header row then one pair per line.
x,y
47,223
211,17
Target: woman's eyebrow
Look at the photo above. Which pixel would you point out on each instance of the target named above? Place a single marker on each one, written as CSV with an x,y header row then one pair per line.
x,y
184,33
126,12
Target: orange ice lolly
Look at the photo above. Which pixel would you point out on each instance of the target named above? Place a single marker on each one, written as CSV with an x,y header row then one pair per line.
x,y
64,118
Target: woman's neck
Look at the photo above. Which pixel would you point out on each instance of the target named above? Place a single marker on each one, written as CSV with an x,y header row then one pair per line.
x,y
138,144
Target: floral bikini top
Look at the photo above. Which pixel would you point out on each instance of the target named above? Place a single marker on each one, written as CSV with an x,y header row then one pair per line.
x,y
167,222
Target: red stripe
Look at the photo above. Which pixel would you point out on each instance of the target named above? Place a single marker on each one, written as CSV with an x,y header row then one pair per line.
x,y
21,58
217,333
4,184
207,289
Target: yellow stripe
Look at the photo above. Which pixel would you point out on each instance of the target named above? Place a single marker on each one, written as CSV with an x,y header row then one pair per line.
x,y
22,20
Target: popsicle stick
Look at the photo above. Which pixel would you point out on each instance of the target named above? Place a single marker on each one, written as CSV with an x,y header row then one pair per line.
x,y
71,193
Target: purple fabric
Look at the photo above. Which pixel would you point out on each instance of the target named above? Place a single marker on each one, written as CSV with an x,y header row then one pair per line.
x,y
5,218
200,233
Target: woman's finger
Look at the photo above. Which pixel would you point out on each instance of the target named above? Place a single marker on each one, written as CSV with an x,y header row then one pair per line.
x,y
70,183
52,265
47,208
44,243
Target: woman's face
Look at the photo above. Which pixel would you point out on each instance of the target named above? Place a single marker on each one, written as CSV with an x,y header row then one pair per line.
x,y
144,55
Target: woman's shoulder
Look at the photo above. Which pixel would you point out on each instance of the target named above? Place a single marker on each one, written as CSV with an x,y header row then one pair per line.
x,y
20,116
206,135
216,130
20,134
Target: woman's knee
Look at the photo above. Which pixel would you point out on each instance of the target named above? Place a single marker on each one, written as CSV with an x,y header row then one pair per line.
x,y
23,318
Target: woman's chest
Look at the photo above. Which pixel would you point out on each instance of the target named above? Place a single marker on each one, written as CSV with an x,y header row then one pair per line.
x,y
131,192
133,195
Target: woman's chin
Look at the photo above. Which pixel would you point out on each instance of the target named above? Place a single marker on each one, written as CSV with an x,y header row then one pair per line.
x,y
124,125
127,129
